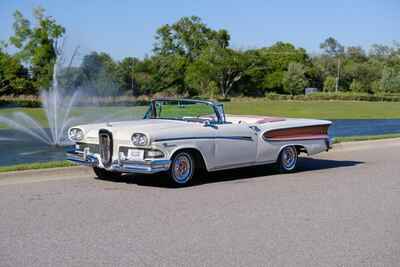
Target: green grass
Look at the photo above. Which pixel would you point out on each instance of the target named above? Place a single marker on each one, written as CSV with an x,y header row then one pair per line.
x,y
365,138
33,166
94,113
316,109
296,109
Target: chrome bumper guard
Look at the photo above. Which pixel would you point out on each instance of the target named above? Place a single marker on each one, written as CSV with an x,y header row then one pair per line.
x,y
144,167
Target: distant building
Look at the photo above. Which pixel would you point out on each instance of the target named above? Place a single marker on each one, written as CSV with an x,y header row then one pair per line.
x,y
311,90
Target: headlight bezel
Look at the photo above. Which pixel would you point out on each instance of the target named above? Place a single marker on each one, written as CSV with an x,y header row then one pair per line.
x,y
139,139
76,134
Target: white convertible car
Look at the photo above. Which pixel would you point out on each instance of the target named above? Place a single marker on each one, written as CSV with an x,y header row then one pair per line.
x,y
183,136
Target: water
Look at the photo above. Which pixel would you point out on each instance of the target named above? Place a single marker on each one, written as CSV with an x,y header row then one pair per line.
x,y
18,147
57,108
24,148
364,127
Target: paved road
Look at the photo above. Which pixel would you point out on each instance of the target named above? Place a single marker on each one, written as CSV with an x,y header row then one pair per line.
x,y
341,209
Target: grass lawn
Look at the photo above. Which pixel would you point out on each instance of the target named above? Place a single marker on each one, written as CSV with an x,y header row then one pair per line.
x,y
33,166
299,109
317,109
91,113
364,138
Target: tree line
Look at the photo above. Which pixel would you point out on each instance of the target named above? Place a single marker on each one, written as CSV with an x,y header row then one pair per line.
x,y
190,58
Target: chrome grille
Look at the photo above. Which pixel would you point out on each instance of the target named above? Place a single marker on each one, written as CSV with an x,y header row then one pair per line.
x,y
106,147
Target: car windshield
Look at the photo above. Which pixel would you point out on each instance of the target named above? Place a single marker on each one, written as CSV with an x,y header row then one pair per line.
x,y
183,110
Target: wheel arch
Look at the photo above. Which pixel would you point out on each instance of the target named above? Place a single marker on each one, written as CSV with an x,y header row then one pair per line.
x,y
197,154
299,147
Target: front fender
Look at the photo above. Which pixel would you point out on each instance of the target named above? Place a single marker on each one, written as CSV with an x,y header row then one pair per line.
x,y
205,148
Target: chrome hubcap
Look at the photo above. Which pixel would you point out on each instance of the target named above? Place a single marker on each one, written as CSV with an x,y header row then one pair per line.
x,y
289,157
182,169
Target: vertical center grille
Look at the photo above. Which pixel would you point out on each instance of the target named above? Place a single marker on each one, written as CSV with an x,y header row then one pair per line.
x,y
106,147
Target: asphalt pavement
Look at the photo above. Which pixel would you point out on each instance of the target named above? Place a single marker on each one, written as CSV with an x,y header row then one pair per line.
x,y
342,208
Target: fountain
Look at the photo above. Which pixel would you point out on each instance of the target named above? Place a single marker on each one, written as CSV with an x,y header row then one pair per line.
x,y
27,139
57,107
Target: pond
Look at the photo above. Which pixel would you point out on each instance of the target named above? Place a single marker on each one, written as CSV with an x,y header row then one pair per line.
x,y
19,148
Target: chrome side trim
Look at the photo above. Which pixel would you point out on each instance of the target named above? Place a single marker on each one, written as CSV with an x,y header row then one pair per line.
x,y
241,165
243,138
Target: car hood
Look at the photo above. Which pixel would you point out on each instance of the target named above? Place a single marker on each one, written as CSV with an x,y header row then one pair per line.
x,y
153,128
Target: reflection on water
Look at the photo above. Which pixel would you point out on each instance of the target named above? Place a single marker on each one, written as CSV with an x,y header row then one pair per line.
x,y
16,147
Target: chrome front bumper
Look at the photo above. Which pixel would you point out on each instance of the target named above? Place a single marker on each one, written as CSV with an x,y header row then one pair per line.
x,y
145,167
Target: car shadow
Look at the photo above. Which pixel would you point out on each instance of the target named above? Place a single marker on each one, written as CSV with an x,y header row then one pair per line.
x,y
304,165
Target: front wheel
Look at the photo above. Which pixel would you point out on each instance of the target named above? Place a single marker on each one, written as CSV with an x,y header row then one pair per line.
x,y
287,160
104,174
182,168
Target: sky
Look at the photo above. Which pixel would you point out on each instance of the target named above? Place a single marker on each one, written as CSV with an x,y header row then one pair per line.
x,y
127,28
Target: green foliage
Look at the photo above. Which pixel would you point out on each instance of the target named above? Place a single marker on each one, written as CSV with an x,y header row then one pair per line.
x,y
99,74
390,81
38,45
187,37
329,84
356,86
364,72
332,47
223,66
294,79
277,59
14,78
191,59
126,76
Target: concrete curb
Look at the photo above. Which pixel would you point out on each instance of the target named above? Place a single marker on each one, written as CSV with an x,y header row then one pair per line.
x,y
356,145
38,175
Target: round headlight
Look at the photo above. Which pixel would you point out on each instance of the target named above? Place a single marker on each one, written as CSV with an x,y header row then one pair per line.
x,y
139,139
75,134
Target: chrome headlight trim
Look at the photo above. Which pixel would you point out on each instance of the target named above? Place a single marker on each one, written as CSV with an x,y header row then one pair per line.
x,y
139,139
76,134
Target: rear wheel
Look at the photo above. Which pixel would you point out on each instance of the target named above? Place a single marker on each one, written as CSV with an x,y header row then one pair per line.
x,y
182,169
287,160
104,174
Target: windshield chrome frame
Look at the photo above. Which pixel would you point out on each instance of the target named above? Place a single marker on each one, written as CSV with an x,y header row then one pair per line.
x,y
217,107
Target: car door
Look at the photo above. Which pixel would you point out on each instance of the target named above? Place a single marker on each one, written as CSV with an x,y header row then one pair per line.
x,y
235,145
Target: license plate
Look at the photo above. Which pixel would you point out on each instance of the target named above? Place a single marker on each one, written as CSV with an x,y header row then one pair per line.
x,y
135,154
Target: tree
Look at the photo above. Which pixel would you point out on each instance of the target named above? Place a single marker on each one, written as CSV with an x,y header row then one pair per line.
x,y
125,75
38,46
251,83
364,73
390,81
99,74
335,50
223,66
14,78
277,59
356,86
294,79
356,53
188,37
329,84
332,47
170,73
